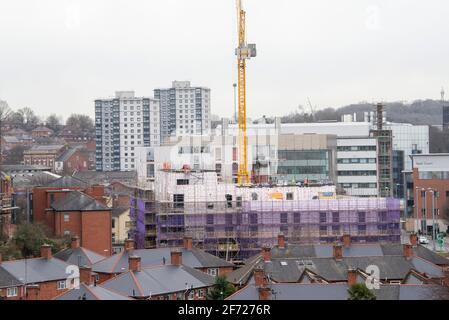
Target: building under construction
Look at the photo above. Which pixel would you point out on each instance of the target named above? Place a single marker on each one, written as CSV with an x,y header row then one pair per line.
x,y
384,154
235,222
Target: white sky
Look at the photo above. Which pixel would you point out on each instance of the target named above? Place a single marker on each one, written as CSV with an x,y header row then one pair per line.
x,y
57,56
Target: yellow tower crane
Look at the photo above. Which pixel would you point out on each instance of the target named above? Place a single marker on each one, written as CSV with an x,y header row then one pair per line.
x,y
243,52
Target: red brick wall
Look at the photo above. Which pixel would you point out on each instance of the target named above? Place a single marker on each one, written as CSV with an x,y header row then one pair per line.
x,y
73,225
96,232
47,291
442,202
78,161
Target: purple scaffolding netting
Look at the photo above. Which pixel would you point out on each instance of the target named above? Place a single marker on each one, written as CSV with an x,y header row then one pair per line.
x,y
258,223
137,215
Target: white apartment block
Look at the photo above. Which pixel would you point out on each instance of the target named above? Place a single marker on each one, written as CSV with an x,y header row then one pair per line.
x,y
357,166
124,123
185,110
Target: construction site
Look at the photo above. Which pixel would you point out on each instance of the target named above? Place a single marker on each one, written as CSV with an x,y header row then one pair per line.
x,y
235,220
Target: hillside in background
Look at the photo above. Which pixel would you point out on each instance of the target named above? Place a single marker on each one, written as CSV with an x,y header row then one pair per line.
x,y
419,112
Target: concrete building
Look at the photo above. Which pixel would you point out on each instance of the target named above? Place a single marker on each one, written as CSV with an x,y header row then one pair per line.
x,y
430,192
446,117
357,166
122,124
185,110
274,158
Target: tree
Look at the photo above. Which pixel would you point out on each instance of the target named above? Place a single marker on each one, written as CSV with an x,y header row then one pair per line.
x,y
5,113
30,119
53,122
360,291
15,155
221,289
29,238
80,123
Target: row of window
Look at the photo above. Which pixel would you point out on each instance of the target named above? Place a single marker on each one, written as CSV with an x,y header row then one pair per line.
x,y
357,160
357,148
358,173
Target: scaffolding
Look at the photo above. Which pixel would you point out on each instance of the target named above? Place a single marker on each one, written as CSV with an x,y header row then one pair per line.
x,y
239,229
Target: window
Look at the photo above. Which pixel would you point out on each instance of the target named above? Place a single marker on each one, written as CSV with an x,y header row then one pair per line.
x,y
362,217
323,217
289,195
191,295
113,223
11,292
201,293
284,217
182,182
66,218
178,200
447,194
297,217
212,272
335,217
239,202
254,196
62,285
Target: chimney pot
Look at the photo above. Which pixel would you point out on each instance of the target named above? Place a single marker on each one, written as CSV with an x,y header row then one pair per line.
x,y
129,245
408,251
352,277
338,252
414,239
264,294
75,242
134,263
86,275
281,241
266,254
46,251
259,277
346,240
176,257
188,243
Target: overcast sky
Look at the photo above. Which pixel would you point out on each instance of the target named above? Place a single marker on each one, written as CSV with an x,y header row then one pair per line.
x,y
57,56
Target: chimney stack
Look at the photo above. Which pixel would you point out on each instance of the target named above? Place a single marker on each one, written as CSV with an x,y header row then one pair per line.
x,y
338,252
134,263
264,294
352,277
346,240
86,275
188,243
414,239
32,292
176,257
408,251
281,241
129,245
259,277
266,254
75,242
46,251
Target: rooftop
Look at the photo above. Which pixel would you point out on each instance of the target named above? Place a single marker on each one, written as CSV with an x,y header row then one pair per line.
x,y
78,201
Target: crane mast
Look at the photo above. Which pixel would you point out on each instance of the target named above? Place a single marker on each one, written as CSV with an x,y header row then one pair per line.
x,y
244,52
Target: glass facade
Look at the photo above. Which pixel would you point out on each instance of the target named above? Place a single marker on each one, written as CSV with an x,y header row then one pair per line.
x,y
299,165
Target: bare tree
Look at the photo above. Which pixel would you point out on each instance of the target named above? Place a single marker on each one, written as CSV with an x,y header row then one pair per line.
x,y
5,113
